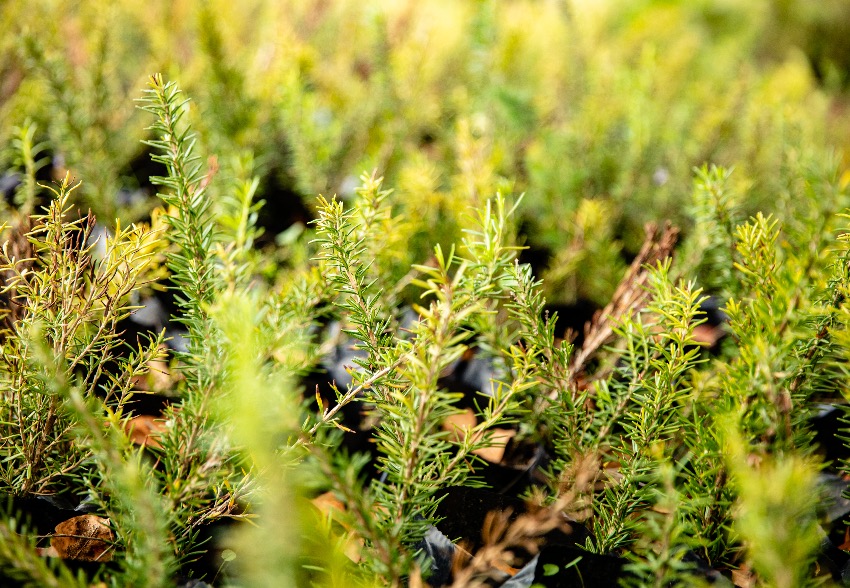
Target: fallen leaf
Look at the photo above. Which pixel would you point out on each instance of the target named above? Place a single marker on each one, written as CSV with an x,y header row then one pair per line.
x,y
663,509
329,505
495,452
144,430
457,424
708,335
83,538
743,578
846,545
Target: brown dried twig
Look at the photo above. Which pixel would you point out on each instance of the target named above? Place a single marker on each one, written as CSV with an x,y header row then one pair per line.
x,y
631,294
527,531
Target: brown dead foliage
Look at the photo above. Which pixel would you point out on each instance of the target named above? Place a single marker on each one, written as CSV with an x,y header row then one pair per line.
x,y
144,430
505,539
83,538
630,296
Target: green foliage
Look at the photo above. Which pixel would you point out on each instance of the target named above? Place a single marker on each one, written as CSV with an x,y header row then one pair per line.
x,y
644,395
143,530
263,410
199,473
597,113
715,213
64,303
591,265
776,515
28,156
604,115
417,455
666,537
191,266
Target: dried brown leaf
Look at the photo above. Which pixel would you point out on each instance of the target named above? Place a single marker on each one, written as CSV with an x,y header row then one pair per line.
x,y
84,538
743,578
457,424
499,441
845,546
144,430
707,335
329,505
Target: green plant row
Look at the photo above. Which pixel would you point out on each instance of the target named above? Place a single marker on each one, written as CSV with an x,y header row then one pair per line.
x,y
661,450
597,111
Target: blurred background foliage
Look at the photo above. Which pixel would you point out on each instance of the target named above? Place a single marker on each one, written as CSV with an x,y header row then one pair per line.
x,y
598,111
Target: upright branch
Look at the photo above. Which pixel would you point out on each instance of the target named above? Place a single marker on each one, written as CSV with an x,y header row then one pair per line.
x,y
192,266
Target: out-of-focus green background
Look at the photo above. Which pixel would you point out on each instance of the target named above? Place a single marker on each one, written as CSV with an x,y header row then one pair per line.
x,y
598,111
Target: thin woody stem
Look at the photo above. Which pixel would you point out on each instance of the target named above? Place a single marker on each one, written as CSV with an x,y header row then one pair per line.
x,y
327,415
